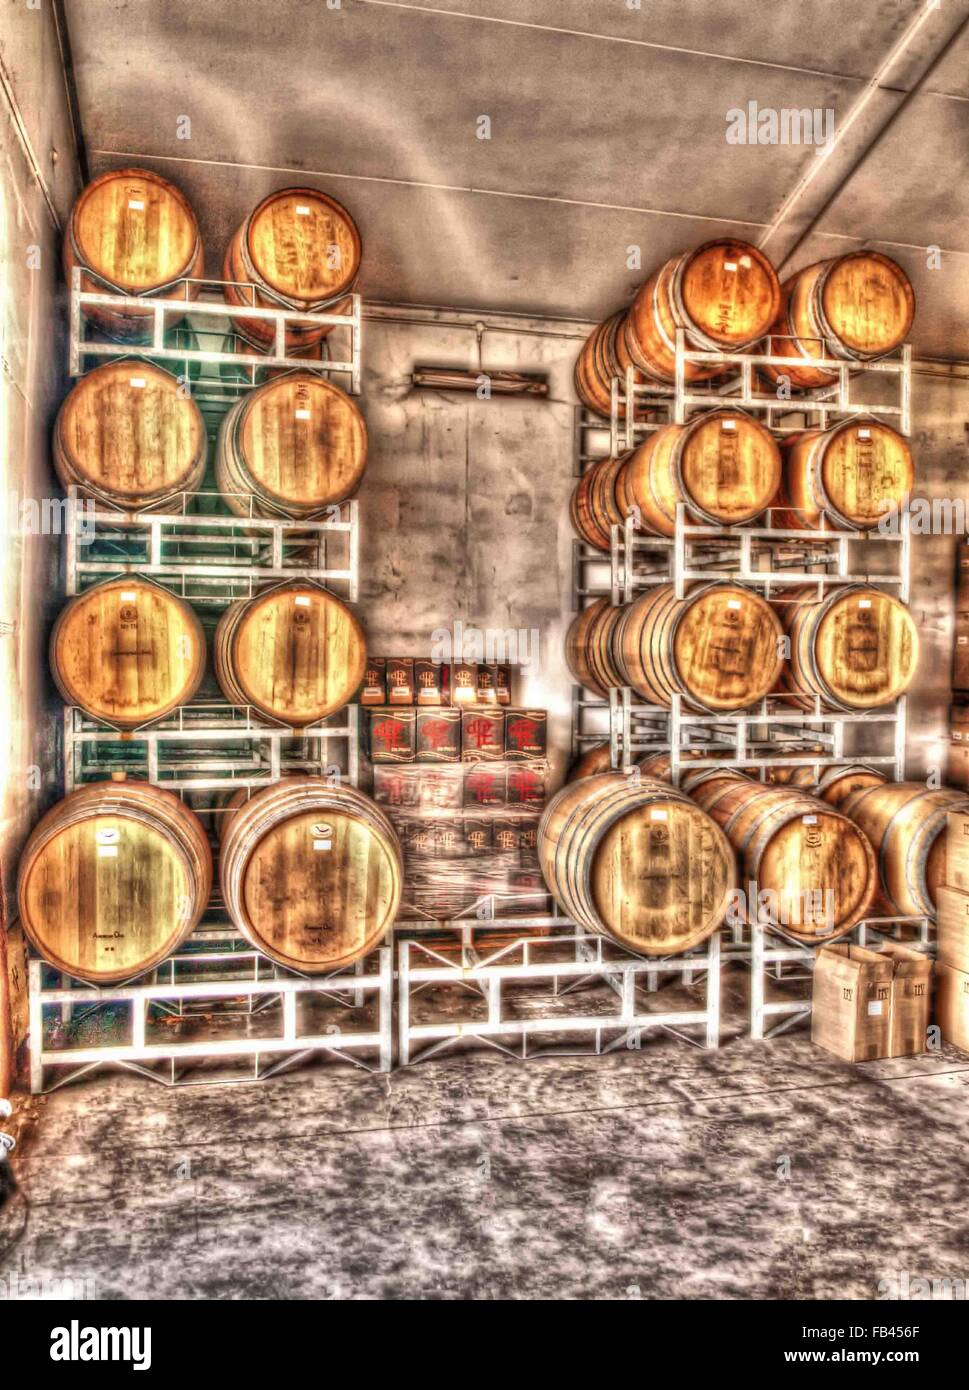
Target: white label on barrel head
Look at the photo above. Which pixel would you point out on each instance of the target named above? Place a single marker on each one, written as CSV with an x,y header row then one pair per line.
x,y
128,596
301,601
745,262
302,210
136,205
961,641
864,434
107,851
734,603
302,415
657,815
138,381
874,1008
322,844
864,603
809,820
730,424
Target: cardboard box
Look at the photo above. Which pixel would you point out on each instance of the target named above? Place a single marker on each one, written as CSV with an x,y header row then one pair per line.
x,y
441,788
400,680
525,785
374,689
484,786
439,735
483,734
478,835
464,682
911,998
429,682
952,928
487,684
526,734
957,850
851,1002
952,1004
503,683
960,653
392,735
957,762
397,787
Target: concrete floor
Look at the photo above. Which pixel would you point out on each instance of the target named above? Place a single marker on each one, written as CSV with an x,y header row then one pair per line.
x,y
766,1170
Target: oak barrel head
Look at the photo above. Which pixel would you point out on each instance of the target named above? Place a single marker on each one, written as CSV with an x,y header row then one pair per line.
x,y
127,433
729,292
112,879
726,647
304,244
311,874
135,229
865,648
728,466
866,471
127,651
297,653
867,303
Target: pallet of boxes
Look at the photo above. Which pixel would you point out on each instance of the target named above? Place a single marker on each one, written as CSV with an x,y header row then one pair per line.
x,y
461,772
952,966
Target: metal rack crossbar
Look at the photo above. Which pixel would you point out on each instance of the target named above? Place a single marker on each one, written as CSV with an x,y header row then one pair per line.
x,y
745,738
209,307
819,406
560,962
265,989
761,555
243,748
209,558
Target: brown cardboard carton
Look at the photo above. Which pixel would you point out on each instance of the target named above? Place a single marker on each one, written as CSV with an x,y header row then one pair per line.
x,y
851,1002
957,761
374,690
952,1004
400,680
429,682
525,734
960,653
482,734
439,735
911,996
957,850
392,735
952,925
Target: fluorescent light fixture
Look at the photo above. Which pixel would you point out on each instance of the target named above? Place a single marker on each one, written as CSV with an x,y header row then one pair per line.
x,y
499,383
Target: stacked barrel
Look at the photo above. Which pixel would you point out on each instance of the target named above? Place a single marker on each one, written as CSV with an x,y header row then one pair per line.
x,y
117,874
724,646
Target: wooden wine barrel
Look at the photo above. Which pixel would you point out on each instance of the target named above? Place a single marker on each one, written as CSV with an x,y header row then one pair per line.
x,y
906,822
292,446
127,651
719,647
725,294
589,649
636,861
136,231
112,880
816,863
857,648
594,760
303,249
311,874
295,652
855,308
849,476
603,355
129,435
723,464
836,784
593,508
227,804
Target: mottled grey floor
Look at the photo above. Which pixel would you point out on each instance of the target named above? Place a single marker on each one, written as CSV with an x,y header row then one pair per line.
x,y
764,1170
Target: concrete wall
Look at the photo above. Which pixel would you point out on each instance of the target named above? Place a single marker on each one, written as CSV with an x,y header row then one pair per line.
x,y
38,174
464,507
